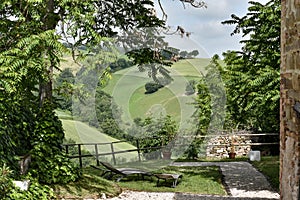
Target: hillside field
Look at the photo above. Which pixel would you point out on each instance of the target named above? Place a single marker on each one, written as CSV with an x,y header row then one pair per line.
x,y
82,133
127,89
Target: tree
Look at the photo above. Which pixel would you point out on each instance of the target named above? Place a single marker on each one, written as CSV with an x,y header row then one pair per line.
x,y
183,54
193,53
31,36
252,76
82,22
190,87
120,64
64,89
155,133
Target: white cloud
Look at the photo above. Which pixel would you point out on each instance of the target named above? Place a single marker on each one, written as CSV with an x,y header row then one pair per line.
x,y
205,24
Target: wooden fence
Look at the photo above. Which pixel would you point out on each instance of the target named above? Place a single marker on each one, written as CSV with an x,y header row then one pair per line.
x,y
96,154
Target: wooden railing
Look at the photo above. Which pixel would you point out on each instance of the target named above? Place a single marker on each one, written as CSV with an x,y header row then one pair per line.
x,y
97,154
79,155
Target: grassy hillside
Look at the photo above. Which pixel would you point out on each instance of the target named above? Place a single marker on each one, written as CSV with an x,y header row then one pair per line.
x,y
127,88
82,133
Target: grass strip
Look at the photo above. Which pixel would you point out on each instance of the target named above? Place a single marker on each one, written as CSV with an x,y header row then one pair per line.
x,y
196,180
90,186
269,166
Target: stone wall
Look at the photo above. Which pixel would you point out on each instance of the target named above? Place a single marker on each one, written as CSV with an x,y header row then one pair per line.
x,y
220,146
290,95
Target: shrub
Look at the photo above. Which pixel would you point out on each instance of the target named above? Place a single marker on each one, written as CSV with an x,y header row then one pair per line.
x,y
157,133
5,181
190,87
152,87
49,164
8,191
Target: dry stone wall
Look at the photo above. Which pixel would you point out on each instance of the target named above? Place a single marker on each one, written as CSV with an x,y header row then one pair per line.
x,y
290,99
220,146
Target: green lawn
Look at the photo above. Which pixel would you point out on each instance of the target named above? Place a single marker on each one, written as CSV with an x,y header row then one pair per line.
x,y
269,166
198,180
90,186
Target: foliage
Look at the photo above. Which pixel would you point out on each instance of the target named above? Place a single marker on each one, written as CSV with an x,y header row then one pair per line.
x,y
151,87
64,89
23,62
156,133
108,115
252,76
35,191
149,52
91,104
183,54
31,48
90,186
191,54
120,64
190,87
210,106
192,152
5,182
49,165
16,125
10,192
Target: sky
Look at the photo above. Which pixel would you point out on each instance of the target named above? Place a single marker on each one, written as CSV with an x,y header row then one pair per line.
x,y
208,35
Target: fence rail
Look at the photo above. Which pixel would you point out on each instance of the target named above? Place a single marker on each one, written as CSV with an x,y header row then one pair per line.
x,y
139,150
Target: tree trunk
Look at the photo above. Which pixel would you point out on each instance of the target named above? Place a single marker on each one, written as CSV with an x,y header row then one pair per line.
x,y
50,21
289,101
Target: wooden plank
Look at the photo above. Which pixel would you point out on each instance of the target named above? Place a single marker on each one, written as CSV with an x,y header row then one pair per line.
x,y
79,153
138,150
97,155
113,153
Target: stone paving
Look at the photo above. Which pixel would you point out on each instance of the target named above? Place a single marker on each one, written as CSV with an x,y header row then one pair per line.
x,y
241,179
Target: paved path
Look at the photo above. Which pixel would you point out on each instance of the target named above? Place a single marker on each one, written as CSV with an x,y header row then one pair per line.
x,y
242,181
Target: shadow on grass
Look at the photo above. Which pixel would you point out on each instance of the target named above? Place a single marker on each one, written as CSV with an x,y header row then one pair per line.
x,y
197,180
90,185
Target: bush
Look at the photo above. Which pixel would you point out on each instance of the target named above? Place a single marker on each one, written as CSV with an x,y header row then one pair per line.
x,y
5,181
157,133
190,87
8,191
152,87
49,164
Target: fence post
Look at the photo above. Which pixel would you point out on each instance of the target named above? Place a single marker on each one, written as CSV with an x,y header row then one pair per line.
x,y
79,154
113,153
138,149
67,149
97,155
